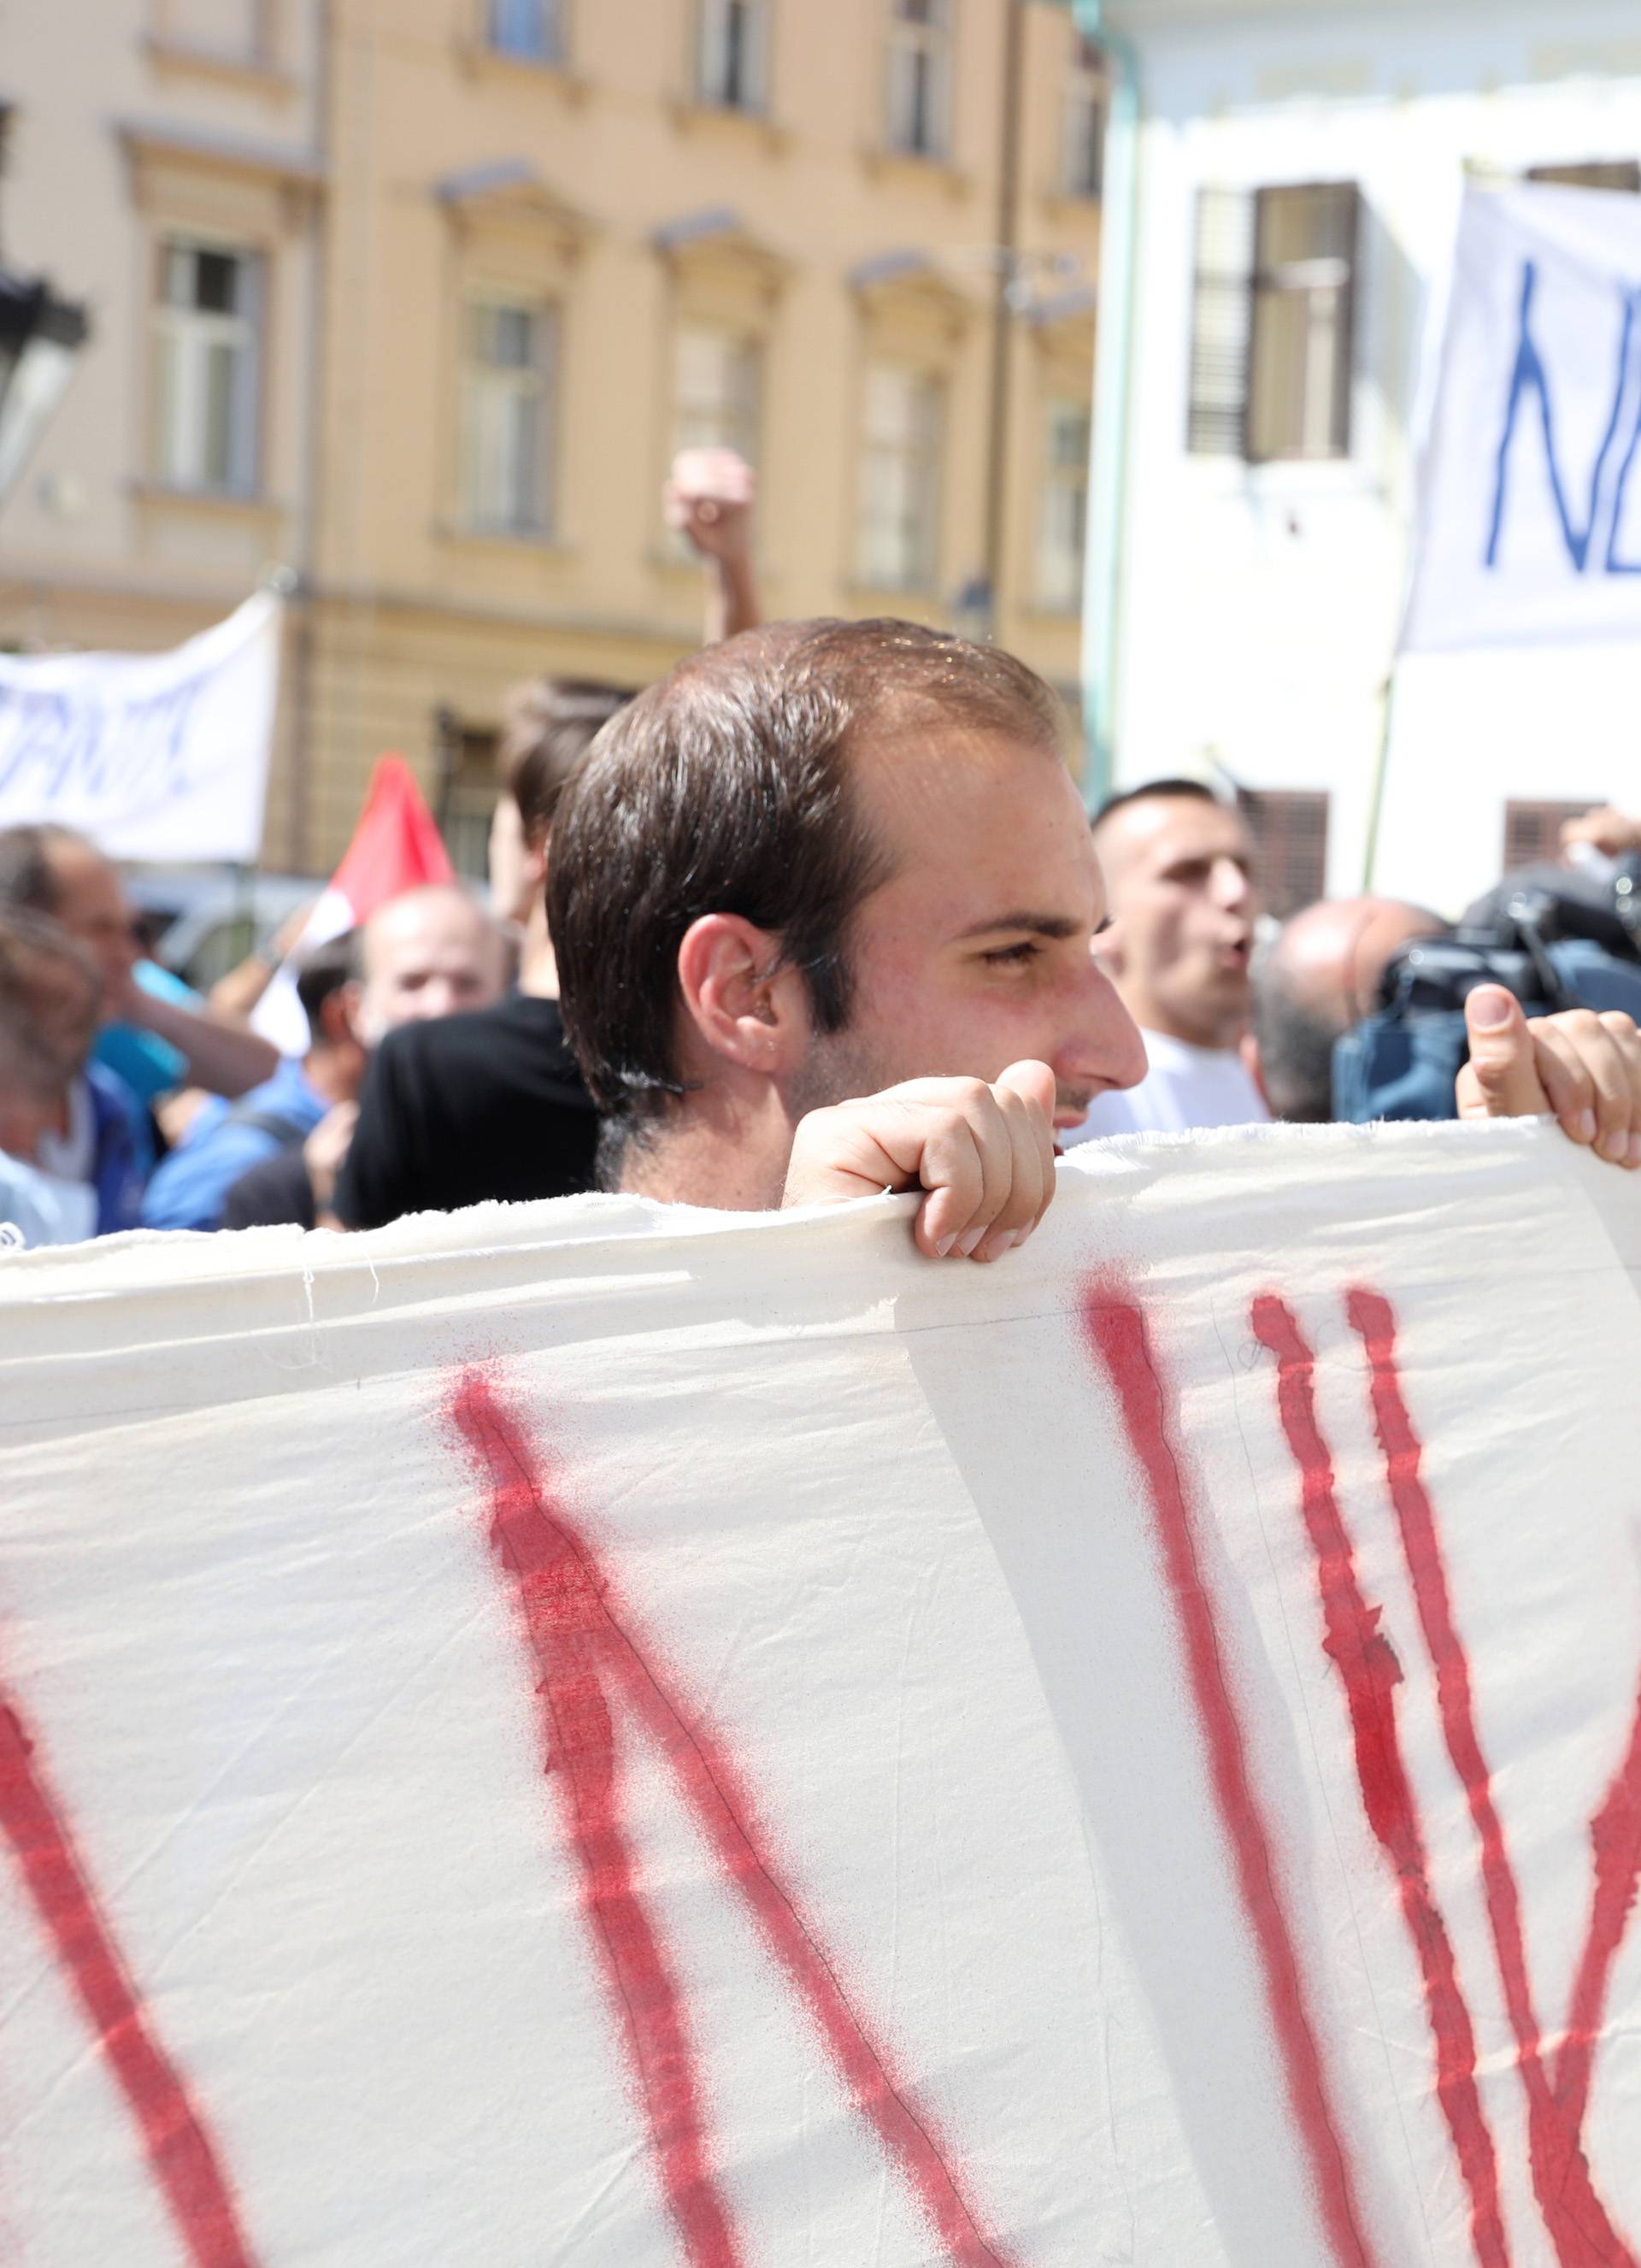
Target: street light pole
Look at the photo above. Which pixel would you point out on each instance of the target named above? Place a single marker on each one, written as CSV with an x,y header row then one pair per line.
x,y
41,336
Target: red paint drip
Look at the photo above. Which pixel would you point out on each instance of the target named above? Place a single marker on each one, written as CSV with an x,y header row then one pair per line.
x,y
1615,1840
577,1639
179,2150
1117,1334
1370,1673
1573,2215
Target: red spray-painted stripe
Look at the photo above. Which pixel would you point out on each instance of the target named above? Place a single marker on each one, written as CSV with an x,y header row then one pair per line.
x,y
1573,2215
1615,1840
1117,1335
1370,1673
709,1786
565,1627
179,2150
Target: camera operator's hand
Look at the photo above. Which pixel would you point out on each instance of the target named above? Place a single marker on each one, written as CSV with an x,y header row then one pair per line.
x,y
1582,1069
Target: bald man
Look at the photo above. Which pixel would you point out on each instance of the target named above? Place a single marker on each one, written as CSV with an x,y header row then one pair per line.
x,y
422,954
1318,980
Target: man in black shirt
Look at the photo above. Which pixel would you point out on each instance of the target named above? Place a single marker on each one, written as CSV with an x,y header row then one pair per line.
x,y
490,1103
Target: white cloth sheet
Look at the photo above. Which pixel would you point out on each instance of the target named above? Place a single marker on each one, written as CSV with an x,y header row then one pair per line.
x,y
627,1737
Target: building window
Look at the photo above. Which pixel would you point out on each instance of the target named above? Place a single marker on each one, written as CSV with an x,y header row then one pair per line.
x,y
1290,832
530,29
919,84
507,383
1600,173
241,29
1533,831
467,793
900,479
1084,161
1271,336
1063,515
714,390
208,358
730,71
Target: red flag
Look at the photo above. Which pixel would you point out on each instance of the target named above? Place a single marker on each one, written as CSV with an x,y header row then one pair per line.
x,y
395,847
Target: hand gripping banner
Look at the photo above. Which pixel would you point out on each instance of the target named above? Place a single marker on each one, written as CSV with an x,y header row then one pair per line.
x,y
648,1739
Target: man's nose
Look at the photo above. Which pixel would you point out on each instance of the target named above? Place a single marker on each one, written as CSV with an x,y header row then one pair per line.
x,y
1107,1045
1232,886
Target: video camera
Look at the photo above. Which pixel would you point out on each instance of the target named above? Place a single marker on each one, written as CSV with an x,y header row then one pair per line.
x,y
1556,939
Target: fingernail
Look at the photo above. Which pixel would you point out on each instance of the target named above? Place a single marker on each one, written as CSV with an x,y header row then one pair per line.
x,y
1491,1008
1587,1126
1004,1241
1615,1147
943,1245
968,1240
1635,1149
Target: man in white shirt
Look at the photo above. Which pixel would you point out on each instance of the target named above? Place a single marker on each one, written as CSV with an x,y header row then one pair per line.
x,y
49,999
1180,886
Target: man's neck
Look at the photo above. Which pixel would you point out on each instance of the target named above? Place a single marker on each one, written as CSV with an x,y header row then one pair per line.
x,y
331,1075
707,1152
538,965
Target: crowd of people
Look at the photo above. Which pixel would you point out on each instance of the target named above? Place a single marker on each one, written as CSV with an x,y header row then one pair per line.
x,y
818,913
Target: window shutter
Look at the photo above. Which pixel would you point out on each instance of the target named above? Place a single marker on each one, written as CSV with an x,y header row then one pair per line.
x,y
1221,323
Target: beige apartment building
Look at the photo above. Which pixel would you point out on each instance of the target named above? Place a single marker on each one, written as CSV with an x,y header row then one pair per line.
x,y
418,298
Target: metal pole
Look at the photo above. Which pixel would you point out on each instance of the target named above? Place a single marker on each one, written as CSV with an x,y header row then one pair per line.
x,y
1108,467
1005,252
1376,803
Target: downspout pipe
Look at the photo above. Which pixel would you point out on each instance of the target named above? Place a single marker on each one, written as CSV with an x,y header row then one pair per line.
x,y
1113,353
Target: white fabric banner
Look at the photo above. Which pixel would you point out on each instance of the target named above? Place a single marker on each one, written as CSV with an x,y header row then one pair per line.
x,y
592,1733
1529,519
154,755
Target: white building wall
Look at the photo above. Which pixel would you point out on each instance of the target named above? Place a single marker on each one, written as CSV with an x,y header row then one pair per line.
x,y
1258,603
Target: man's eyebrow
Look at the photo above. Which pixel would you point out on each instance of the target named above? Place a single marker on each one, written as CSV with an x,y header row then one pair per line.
x,y
1036,925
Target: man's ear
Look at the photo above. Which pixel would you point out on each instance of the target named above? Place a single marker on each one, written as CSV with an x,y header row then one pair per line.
x,y
339,1013
536,851
743,1001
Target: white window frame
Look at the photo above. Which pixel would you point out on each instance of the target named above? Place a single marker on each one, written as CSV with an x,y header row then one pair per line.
x,y
257,47
912,463
729,415
187,340
489,389
732,55
1063,505
918,52
546,44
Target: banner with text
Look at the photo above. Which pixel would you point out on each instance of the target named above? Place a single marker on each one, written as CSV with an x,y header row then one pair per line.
x,y
1529,517
160,756
672,1739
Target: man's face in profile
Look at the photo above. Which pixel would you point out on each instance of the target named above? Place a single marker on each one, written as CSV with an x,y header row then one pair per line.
x,y
977,952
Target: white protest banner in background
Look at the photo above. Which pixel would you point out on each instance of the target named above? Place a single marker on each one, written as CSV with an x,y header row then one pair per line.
x,y
1529,515
154,755
668,1739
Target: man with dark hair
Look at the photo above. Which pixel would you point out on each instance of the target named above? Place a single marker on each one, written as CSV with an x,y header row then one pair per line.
x,y
831,857
1178,864
821,860
490,1104
226,1140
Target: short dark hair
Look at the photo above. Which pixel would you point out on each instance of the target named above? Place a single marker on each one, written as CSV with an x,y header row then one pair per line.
x,y
29,880
48,1037
725,789
325,970
548,727
1158,790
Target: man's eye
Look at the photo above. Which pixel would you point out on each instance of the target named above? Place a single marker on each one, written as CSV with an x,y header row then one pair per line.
x,y
1013,956
1103,926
